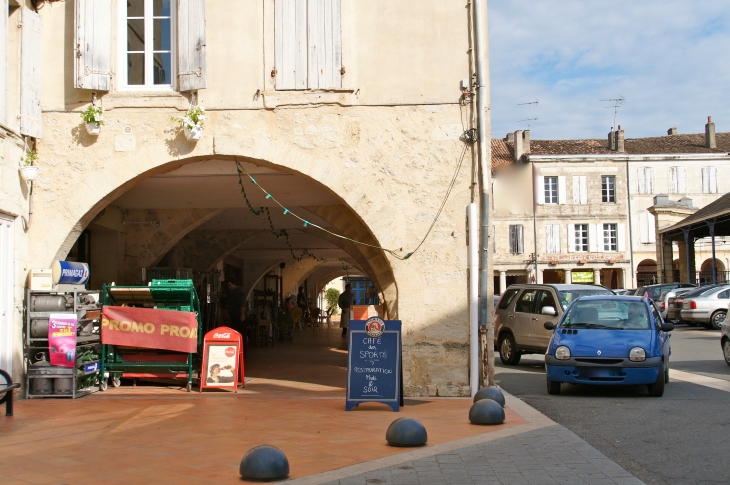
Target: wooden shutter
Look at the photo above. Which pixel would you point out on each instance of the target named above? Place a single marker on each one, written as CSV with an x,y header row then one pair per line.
x,y
595,242
7,288
651,227
576,189
549,238
641,179
540,190
621,237
571,238
562,195
552,238
681,181
30,74
713,179
93,44
290,32
191,68
705,180
583,189
673,181
324,44
649,180
520,239
4,62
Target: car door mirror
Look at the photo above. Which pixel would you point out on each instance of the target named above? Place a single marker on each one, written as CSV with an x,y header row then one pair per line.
x,y
549,310
549,326
667,327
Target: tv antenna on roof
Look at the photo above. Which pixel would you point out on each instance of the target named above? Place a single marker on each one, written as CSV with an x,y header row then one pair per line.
x,y
617,103
529,106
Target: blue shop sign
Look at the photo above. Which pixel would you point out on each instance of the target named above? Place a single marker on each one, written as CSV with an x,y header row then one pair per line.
x,y
374,363
70,273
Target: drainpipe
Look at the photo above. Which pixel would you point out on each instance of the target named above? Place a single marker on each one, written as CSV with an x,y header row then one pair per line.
x,y
479,16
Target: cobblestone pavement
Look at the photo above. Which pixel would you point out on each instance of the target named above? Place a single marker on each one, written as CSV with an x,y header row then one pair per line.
x,y
547,456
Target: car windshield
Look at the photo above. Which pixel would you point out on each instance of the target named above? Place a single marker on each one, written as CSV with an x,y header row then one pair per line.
x,y
608,314
567,296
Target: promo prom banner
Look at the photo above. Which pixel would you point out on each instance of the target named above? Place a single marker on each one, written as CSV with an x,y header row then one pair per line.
x,y
149,328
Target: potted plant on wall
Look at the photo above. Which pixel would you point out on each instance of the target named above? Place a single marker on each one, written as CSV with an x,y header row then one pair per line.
x,y
192,122
94,118
28,171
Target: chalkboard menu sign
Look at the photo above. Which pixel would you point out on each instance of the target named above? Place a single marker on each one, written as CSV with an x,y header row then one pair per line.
x,y
374,363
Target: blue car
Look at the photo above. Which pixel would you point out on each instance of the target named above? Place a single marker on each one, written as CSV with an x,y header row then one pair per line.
x,y
609,340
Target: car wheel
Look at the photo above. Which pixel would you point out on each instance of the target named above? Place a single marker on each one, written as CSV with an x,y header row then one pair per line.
x,y
508,353
553,387
726,351
717,319
657,389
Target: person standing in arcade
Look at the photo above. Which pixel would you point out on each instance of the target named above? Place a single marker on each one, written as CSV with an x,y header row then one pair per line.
x,y
237,309
345,302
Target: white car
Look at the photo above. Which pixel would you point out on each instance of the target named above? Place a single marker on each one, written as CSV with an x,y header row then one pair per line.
x,y
725,341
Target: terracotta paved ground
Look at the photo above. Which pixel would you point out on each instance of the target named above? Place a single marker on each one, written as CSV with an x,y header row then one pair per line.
x,y
162,434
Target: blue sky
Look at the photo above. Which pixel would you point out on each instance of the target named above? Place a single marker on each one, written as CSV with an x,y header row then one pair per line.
x,y
669,59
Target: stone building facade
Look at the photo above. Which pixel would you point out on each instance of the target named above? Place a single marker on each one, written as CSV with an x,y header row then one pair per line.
x,y
348,112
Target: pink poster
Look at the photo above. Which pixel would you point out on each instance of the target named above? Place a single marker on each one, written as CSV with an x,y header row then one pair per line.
x,y
62,339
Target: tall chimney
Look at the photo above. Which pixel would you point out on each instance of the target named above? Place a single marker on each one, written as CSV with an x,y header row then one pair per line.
x,y
519,150
611,140
710,141
526,141
672,130
620,140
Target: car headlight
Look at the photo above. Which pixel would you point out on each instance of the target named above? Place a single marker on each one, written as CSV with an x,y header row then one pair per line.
x,y
562,353
637,354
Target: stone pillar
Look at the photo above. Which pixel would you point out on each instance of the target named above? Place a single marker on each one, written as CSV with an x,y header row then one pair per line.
x,y
687,274
597,276
539,276
502,281
665,258
568,277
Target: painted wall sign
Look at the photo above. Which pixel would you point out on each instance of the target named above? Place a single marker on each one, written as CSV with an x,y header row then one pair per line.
x,y
374,363
149,328
222,359
70,273
581,277
62,339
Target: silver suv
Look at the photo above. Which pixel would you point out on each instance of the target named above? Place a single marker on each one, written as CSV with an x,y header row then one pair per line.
x,y
523,310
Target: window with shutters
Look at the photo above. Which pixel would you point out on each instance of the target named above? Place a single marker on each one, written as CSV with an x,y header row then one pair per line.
x,y
580,238
552,238
610,237
516,241
647,228
580,189
608,189
709,180
676,180
308,44
646,180
148,60
551,190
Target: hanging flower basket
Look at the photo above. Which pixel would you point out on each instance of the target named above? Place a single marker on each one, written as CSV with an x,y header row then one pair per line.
x,y
29,173
194,133
93,128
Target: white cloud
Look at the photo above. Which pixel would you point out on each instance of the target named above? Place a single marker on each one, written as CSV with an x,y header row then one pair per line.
x,y
669,59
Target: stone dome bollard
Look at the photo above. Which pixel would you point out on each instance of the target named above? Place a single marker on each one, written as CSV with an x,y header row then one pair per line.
x,y
264,463
406,432
486,411
490,392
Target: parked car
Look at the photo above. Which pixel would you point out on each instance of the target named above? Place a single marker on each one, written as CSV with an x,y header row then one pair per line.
x,y
609,340
654,291
674,304
725,341
625,292
524,308
708,309
665,301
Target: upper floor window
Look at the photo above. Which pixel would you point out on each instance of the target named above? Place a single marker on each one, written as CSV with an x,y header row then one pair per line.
x,y
676,180
646,180
580,238
148,56
709,180
516,239
308,44
580,189
608,188
610,237
551,190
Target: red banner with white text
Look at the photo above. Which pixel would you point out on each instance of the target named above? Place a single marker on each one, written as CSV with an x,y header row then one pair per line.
x,y
149,328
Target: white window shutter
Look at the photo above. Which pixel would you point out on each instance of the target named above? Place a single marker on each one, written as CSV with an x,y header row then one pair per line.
x,y
673,182
562,196
571,238
325,45
576,189
621,237
30,74
4,62
191,62
540,190
290,31
549,238
681,181
651,227
713,180
93,44
553,238
705,180
583,189
641,179
520,239
556,237
649,180
595,243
